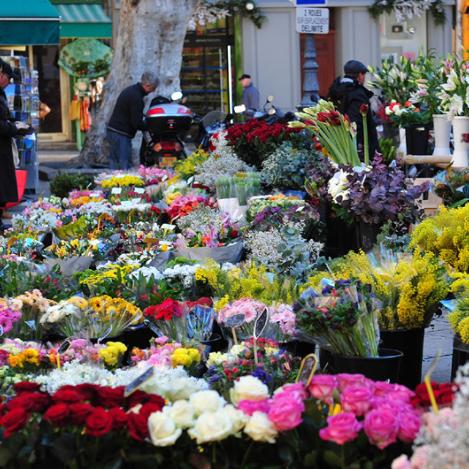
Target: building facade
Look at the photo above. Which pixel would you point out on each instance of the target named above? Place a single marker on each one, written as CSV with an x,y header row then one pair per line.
x,y
274,54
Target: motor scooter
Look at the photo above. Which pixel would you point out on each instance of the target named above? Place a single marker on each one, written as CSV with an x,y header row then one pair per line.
x,y
168,120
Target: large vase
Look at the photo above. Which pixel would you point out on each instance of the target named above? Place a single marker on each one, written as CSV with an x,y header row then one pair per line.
x,y
382,368
461,141
442,130
417,137
410,343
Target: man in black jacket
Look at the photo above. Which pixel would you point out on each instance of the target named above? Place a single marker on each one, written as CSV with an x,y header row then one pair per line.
x,y
350,96
127,119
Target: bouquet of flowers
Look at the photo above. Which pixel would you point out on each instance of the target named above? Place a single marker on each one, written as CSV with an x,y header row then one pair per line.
x,y
455,89
182,205
120,180
334,131
445,235
453,187
187,167
459,318
408,288
8,318
206,226
375,194
254,140
275,366
32,305
228,283
287,166
341,317
96,318
168,319
407,114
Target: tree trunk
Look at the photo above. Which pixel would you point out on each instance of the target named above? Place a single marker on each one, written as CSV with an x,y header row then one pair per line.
x,y
151,37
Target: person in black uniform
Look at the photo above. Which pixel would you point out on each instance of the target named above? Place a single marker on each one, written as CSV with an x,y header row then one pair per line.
x,y
8,129
349,94
127,119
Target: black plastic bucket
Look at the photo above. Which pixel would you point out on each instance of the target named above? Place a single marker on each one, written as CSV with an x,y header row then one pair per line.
x,y
382,368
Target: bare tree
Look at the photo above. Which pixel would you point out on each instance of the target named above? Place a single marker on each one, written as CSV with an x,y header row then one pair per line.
x,y
151,37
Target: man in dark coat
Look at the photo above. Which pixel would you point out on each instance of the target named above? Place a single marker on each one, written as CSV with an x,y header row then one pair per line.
x,y
349,95
127,119
8,130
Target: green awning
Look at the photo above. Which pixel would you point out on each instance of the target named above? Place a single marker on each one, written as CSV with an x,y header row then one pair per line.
x,y
84,20
28,22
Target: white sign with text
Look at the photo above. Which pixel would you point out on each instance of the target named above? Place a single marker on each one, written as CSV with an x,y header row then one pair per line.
x,y
312,20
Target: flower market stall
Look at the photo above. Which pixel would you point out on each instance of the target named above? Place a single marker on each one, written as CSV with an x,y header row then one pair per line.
x,y
260,305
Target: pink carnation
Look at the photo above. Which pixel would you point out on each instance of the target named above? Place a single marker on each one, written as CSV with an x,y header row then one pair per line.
x,y
356,399
381,426
285,317
249,407
341,428
285,413
322,387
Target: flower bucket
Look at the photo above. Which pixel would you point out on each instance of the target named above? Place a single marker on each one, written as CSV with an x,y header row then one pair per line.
x,y
382,368
365,236
416,137
461,141
232,253
402,149
71,265
442,130
410,343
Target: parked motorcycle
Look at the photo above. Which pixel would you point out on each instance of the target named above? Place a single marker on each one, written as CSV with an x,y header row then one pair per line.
x,y
168,121
269,113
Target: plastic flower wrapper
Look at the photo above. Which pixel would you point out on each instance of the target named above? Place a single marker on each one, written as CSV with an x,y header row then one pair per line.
x,y
339,317
200,322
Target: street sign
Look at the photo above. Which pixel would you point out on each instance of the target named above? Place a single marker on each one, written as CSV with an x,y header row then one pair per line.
x,y
312,20
310,3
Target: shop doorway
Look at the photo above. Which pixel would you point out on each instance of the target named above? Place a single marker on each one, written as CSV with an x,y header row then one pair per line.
x,y
207,73
45,62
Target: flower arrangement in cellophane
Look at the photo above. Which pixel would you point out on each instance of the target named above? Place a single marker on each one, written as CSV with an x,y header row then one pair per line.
x,y
98,317
408,288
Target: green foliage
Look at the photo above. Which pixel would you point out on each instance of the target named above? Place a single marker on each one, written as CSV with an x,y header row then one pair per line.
x,y
64,183
388,149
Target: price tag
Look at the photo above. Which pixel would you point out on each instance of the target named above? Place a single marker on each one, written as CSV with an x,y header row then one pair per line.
x,y
307,369
64,346
137,382
136,200
139,190
235,321
190,180
261,323
116,190
300,209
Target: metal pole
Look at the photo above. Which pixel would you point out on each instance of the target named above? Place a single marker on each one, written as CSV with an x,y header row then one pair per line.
x,y
310,73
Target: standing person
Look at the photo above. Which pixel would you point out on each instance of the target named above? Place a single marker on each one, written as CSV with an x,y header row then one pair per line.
x,y
349,94
127,119
8,129
251,96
